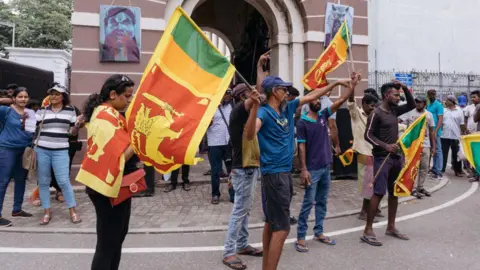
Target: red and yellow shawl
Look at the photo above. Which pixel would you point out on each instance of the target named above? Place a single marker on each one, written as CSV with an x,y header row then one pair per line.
x,y
103,164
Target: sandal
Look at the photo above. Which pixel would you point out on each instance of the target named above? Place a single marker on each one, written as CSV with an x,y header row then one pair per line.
x,y
301,248
326,241
371,240
59,197
75,218
236,264
395,233
251,251
37,203
46,219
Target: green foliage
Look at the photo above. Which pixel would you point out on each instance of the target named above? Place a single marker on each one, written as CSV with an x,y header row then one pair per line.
x,y
39,23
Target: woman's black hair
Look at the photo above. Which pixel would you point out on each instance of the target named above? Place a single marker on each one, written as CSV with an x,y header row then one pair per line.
x,y
18,90
118,83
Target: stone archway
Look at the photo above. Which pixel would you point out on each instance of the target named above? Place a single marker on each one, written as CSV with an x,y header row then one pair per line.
x,y
287,27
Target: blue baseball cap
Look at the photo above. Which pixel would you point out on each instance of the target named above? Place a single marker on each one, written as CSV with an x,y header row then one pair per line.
x,y
271,81
462,101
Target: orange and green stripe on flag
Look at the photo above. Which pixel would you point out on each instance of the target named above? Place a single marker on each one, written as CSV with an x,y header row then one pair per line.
x,y
411,143
347,157
333,56
179,93
471,149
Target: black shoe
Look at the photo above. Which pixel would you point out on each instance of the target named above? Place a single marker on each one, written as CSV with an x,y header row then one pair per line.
x,y
293,220
417,194
5,222
170,188
21,214
207,173
425,192
186,186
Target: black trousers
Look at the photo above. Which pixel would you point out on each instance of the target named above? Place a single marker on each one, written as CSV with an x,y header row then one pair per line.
x,y
112,228
185,174
150,179
448,144
53,183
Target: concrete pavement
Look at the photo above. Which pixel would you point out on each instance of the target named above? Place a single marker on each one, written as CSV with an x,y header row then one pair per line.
x,y
181,211
443,230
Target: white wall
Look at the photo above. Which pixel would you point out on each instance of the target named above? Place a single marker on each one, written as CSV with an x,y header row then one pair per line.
x,y
409,34
47,59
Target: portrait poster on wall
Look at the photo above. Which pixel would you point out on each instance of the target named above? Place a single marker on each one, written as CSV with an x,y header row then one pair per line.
x,y
120,34
334,17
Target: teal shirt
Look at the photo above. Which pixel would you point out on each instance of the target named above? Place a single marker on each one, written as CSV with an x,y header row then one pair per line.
x,y
436,108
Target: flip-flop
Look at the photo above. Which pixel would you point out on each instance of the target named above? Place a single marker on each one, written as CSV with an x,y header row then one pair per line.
x,y
232,264
301,248
397,235
326,241
371,240
251,251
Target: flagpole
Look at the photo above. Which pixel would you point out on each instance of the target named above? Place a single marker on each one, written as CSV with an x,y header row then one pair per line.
x,y
350,51
244,80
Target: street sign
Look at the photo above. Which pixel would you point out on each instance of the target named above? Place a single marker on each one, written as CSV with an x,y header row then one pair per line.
x,y
405,78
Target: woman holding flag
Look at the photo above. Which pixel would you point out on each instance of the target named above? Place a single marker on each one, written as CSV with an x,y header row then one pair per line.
x,y
108,159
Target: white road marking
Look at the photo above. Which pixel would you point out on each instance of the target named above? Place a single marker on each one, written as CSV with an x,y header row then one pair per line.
x,y
460,198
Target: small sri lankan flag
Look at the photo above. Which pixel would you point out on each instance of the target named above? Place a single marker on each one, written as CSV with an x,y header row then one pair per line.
x,y
178,95
333,56
471,149
411,143
347,157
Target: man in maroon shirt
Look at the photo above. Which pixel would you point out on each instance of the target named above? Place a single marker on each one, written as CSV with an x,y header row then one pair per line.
x,y
382,133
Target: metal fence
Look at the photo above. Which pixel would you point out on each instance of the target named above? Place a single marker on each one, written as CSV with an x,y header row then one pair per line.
x,y
444,83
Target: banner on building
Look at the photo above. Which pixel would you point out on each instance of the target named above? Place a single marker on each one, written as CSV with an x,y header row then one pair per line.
x,y
335,15
120,34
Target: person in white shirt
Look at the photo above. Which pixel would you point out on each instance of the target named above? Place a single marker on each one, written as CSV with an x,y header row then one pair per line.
x,y
453,128
429,144
219,148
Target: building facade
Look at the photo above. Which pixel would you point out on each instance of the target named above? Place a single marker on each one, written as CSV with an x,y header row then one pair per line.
x,y
296,30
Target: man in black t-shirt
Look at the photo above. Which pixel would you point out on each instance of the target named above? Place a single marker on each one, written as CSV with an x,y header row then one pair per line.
x,y
382,133
245,172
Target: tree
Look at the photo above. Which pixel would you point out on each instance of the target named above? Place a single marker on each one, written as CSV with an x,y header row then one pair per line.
x,y
43,23
6,16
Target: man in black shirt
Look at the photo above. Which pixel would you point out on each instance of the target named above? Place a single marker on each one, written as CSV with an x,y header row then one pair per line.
x,y
246,170
382,133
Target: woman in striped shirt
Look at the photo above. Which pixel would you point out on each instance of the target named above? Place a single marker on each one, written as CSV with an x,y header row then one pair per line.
x,y
59,123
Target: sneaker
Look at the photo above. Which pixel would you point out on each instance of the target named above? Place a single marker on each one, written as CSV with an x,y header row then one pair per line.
x,y
417,194
22,214
186,187
5,222
293,220
425,192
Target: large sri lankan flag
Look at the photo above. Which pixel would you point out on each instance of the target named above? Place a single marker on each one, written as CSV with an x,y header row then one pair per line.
x,y
471,149
411,143
179,93
333,56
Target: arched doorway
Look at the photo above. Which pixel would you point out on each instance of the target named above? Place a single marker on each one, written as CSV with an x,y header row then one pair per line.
x,y
282,19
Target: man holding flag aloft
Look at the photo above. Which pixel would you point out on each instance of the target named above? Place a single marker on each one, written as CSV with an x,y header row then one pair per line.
x,y
382,133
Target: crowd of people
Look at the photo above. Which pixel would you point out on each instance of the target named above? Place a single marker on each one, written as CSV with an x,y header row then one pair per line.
x,y
259,133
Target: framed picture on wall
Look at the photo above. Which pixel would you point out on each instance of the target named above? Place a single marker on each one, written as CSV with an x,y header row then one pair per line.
x,y
120,34
335,15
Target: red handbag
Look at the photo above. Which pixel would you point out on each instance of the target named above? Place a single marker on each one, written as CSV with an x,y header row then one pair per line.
x,y
131,183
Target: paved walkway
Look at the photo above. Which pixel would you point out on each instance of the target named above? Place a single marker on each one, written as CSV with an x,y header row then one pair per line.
x,y
179,210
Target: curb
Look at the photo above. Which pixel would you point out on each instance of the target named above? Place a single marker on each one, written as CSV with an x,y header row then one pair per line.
x,y
440,185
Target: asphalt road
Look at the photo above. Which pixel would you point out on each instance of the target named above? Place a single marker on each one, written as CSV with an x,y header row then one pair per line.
x,y
444,232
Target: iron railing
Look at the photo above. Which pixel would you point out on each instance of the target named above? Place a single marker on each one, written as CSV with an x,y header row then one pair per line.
x,y
444,83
